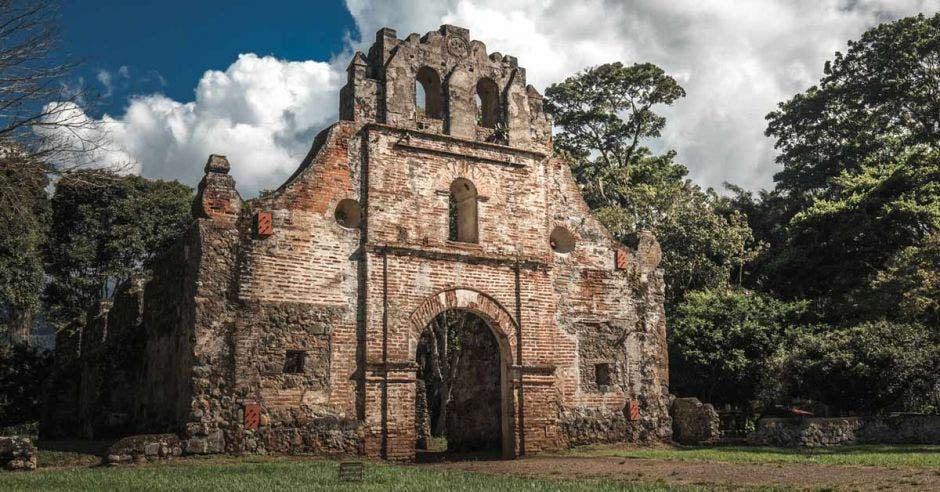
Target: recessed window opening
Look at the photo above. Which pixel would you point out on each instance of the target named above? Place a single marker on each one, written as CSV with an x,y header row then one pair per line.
x,y
487,101
462,212
561,240
428,101
348,213
294,362
602,376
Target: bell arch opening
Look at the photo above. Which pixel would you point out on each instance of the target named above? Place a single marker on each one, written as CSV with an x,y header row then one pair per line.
x,y
428,94
487,102
460,400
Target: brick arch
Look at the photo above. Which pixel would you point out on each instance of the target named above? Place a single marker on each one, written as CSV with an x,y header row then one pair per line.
x,y
502,326
501,323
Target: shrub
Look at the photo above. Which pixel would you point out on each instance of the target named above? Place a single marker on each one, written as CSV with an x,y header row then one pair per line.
x,y
869,368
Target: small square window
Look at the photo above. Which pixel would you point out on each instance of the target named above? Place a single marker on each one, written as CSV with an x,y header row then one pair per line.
x,y
602,375
294,362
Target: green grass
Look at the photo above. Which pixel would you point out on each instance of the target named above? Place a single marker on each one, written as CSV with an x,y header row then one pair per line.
x,y
280,473
922,456
68,467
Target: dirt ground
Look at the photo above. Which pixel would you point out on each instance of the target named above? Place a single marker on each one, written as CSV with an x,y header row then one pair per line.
x,y
707,473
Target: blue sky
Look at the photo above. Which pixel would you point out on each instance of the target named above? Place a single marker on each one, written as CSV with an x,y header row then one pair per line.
x,y
256,81
167,45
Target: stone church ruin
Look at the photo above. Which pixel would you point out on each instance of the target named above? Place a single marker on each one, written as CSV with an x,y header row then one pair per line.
x,y
298,321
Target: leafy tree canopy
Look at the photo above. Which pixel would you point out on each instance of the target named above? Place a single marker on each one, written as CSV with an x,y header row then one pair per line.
x,y
606,114
881,95
722,343
836,247
105,229
858,195
872,367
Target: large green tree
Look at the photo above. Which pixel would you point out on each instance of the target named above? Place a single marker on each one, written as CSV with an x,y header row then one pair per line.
x,y
606,115
105,229
724,344
858,192
882,94
871,367
24,211
837,246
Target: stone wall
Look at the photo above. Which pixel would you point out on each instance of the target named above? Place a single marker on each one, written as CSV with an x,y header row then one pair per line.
x,y
821,432
125,368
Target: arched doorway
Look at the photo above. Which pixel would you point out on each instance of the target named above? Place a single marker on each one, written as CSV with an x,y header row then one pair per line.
x,y
502,330
459,394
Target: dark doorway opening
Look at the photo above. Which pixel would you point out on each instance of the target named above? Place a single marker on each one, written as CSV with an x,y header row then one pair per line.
x,y
459,391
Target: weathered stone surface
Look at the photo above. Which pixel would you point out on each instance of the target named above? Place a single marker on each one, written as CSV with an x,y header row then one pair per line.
x,y
17,453
143,448
694,422
317,324
836,431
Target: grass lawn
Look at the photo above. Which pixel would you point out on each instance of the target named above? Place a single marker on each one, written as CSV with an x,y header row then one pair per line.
x,y
66,466
283,473
922,456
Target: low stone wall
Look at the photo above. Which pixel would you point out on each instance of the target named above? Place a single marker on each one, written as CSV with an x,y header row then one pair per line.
x,y
145,447
594,426
17,453
325,436
820,432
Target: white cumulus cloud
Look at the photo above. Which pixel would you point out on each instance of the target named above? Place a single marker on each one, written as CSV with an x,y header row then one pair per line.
x,y
736,60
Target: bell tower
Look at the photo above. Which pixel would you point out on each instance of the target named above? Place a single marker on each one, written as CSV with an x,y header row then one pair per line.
x,y
445,83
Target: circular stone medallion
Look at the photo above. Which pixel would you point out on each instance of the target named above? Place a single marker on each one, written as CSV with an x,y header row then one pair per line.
x,y
457,47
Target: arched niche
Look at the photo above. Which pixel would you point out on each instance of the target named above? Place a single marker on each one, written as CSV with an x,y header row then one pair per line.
x,y
462,212
487,100
429,101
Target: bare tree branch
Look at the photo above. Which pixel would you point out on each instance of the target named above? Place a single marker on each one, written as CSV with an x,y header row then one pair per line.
x,y
40,115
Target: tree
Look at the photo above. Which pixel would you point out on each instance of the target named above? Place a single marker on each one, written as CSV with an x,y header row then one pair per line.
x,y
22,371
909,284
858,193
837,247
871,367
24,212
606,114
39,110
882,95
722,344
105,229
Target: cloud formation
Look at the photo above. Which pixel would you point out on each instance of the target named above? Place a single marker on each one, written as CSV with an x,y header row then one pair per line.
x,y
736,60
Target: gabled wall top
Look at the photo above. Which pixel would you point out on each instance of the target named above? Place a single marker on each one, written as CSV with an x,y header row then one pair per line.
x,y
467,93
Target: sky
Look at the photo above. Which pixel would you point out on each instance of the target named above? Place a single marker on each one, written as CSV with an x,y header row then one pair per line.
x,y
178,81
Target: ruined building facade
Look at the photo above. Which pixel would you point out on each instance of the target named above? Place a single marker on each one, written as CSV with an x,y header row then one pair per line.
x,y
290,322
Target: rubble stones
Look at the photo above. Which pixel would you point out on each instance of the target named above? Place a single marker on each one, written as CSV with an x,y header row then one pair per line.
x,y
17,453
694,422
145,447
